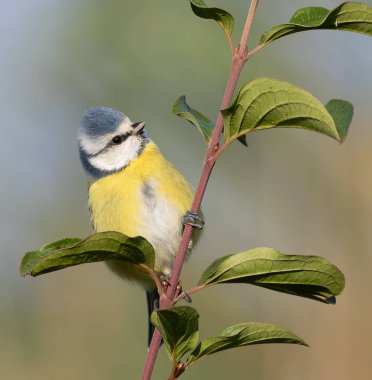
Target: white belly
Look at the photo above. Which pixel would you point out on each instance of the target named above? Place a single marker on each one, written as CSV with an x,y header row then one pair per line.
x,y
162,225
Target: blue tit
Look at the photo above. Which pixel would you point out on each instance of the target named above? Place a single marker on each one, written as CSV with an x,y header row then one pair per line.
x,y
133,189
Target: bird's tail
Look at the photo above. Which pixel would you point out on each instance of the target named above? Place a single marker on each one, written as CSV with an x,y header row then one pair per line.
x,y
152,298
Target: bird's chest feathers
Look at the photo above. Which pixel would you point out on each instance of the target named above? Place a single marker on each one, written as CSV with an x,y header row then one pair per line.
x,y
161,219
134,203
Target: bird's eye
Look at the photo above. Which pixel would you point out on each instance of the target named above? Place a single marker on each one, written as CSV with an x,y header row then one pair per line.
x,y
117,140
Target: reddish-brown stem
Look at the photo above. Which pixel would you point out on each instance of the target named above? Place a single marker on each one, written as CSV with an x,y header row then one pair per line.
x,y
239,58
247,26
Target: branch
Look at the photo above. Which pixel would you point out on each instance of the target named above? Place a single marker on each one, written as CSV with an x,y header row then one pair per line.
x,y
239,58
247,27
188,293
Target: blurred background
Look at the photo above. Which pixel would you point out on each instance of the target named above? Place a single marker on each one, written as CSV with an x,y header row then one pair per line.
x,y
299,192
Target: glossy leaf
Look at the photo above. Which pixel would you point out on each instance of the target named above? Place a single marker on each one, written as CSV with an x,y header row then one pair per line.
x,y
306,276
241,335
349,16
98,247
179,328
224,19
202,123
266,103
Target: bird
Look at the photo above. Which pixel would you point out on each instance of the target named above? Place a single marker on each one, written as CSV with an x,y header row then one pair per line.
x,y
135,190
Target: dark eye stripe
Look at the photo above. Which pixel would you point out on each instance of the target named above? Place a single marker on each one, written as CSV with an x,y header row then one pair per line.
x,y
122,138
119,139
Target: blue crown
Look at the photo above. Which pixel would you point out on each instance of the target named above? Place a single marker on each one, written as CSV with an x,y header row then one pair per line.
x,y
98,121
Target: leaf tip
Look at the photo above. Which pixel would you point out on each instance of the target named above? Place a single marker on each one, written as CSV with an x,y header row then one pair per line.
x,y
222,17
330,300
204,125
24,267
243,140
341,112
177,104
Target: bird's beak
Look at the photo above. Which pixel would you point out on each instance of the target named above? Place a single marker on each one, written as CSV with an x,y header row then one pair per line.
x,y
137,127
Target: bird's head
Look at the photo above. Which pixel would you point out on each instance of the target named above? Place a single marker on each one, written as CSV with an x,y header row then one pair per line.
x,y
108,141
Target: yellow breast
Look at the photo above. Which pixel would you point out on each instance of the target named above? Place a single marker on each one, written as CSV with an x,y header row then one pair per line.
x,y
147,198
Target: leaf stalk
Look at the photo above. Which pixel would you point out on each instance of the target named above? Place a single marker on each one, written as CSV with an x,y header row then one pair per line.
x,y
188,293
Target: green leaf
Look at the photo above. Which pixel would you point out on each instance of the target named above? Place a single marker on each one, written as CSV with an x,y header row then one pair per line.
x,y
98,247
306,276
179,328
349,16
243,140
266,103
342,113
202,123
224,19
241,335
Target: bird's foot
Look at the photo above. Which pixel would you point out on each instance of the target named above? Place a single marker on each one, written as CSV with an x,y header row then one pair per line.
x,y
165,282
193,219
181,294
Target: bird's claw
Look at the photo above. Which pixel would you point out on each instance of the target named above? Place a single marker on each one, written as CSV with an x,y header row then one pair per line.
x,y
164,280
165,283
193,219
186,297
181,294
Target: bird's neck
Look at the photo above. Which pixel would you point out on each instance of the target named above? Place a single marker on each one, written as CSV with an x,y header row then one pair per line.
x,y
94,174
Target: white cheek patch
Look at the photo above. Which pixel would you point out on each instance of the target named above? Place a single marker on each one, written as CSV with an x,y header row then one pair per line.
x,y
117,157
94,145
